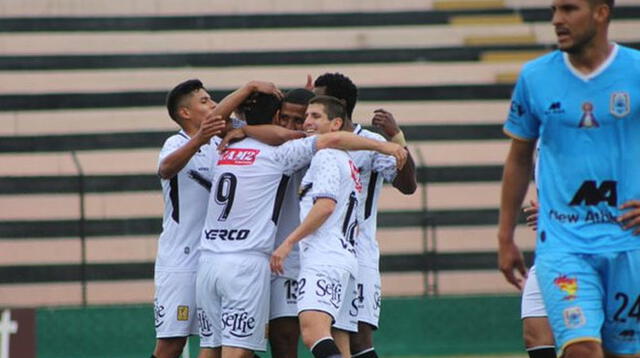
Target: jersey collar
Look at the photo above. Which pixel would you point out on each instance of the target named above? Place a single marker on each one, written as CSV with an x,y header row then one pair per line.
x,y
599,70
357,129
182,133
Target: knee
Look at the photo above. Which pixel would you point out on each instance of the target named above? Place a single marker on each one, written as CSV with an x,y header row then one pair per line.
x,y
361,340
536,332
587,349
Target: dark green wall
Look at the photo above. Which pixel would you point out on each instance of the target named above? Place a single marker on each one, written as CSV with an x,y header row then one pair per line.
x,y
409,327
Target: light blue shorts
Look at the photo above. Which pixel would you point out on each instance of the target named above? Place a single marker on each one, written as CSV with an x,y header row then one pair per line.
x,y
593,297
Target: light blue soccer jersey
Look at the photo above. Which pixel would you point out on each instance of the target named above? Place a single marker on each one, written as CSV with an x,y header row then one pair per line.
x,y
588,129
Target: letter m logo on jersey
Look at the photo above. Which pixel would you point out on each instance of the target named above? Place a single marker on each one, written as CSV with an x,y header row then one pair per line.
x,y
591,194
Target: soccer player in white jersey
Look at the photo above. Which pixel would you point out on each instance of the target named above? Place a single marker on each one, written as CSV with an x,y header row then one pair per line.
x,y
328,204
284,328
374,169
184,169
238,235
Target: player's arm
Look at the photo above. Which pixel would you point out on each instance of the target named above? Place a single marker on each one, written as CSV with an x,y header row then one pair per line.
x,y
265,133
405,180
319,213
515,183
631,219
349,141
170,165
233,100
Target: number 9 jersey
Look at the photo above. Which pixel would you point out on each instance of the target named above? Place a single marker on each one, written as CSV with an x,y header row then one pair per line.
x,y
248,187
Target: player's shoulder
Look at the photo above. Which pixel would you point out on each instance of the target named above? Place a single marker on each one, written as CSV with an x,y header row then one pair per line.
x,y
543,63
176,139
629,55
369,134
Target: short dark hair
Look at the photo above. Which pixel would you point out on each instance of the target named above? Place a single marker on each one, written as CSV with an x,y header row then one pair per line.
x,y
333,107
178,94
341,87
259,108
298,96
609,3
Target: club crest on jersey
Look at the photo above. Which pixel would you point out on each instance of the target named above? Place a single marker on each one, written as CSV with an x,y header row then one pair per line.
x,y
588,120
620,104
355,175
238,156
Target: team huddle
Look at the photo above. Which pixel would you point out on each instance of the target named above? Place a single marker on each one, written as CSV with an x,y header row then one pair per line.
x,y
270,220
269,227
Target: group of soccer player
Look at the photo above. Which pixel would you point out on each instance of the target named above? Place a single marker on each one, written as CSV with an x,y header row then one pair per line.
x,y
270,220
270,216
577,111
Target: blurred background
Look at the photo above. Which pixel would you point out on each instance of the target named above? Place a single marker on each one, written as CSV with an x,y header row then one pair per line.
x,y
82,120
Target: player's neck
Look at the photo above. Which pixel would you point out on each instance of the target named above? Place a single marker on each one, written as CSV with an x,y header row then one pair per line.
x,y
591,57
189,129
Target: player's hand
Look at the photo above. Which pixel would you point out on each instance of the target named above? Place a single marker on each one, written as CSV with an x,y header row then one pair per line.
x,y
233,135
278,257
309,84
532,215
210,126
266,88
631,219
385,122
511,263
397,151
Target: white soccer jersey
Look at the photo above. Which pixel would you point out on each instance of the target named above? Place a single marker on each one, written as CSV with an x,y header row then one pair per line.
x,y
185,206
374,168
288,221
247,192
333,175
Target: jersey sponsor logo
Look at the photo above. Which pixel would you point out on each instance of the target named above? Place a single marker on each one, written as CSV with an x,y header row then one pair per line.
x,y
206,328
158,313
331,289
574,317
227,235
355,175
590,194
620,104
238,156
239,323
555,108
588,119
517,108
183,313
567,285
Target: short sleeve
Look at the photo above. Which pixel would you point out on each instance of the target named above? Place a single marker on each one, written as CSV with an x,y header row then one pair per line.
x,y
522,122
295,154
170,145
326,182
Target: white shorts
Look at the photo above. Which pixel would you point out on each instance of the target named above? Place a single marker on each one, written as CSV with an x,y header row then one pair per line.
x,y
284,297
175,304
330,290
207,337
366,305
233,292
532,304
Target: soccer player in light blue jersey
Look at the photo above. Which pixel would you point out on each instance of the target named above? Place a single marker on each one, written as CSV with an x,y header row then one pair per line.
x,y
582,103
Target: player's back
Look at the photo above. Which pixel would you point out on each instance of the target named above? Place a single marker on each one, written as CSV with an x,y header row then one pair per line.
x,y
332,174
246,195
